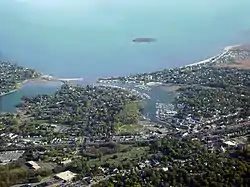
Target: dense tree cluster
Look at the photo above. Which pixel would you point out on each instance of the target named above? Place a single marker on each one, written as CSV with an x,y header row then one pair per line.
x,y
187,163
129,114
15,173
209,102
11,75
97,109
207,76
12,174
208,90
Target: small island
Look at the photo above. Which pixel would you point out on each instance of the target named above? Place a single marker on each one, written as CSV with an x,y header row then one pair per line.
x,y
144,40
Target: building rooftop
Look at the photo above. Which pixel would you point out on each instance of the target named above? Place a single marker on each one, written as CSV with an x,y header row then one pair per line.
x,y
230,143
34,165
66,175
65,162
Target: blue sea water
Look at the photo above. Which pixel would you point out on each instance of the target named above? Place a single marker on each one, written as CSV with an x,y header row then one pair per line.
x,y
92,38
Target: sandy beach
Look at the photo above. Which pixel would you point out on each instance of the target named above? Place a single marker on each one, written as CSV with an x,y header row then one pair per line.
x,y
216,57
10,92
231,47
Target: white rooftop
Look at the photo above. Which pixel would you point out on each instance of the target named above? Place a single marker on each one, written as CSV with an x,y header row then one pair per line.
x,y
66,175
230,143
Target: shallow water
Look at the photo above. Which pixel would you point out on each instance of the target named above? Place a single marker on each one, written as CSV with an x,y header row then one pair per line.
x,y
8,103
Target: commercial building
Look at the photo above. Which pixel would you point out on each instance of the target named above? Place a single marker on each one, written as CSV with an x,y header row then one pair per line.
x,y
65,176
33,165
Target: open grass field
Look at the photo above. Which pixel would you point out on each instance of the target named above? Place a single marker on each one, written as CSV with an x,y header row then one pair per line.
x,y
133,128
245,64
121,157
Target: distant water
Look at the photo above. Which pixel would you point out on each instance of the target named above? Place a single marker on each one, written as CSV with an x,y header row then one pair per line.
x,y
92,38
8,103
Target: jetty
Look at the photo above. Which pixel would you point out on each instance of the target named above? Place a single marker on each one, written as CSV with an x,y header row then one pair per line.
x,y
51,78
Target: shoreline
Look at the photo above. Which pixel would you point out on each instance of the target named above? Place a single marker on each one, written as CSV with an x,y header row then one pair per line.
x,y
8,93
18,87
211,60
216,57
41,79
48,78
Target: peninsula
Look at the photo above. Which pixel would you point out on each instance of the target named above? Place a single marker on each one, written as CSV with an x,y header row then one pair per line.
x,y
12,76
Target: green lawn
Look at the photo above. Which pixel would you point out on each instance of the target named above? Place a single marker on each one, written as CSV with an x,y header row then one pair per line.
x,y
131,129
121,157
38,122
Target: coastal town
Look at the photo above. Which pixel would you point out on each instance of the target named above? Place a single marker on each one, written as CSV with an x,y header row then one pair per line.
x,y
75,122
12,75
99,135
212,99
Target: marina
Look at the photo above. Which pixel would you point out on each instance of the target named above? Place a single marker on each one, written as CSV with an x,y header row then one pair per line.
x,y
164,111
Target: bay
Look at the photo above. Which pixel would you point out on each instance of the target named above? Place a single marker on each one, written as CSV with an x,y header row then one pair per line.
x,y
83,38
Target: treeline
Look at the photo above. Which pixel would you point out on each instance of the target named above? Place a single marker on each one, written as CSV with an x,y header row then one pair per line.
x,y
12,174
187,163
130,113
17,173
95,109
208,102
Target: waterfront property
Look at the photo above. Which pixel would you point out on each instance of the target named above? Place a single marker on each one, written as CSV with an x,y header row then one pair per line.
x,y
12,76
